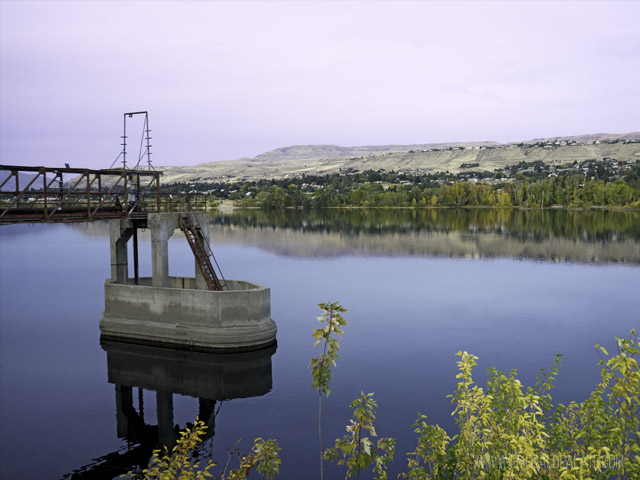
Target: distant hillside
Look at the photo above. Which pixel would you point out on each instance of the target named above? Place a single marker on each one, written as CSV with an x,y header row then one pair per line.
x,y
422,158
593,137
314,152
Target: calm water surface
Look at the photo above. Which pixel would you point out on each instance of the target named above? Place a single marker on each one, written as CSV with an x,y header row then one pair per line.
x,y
511,287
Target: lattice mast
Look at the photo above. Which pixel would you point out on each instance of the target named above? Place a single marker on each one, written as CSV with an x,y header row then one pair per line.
x,y
145,136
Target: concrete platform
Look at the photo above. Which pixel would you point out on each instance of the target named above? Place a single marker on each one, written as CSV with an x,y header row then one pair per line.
x,y
237,319
180,311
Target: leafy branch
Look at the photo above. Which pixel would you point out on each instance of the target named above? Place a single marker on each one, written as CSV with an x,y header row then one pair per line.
x,y
321,366
357,451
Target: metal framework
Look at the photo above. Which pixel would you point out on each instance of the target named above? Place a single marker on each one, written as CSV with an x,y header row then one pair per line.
x,y
145,136
201,251
89,195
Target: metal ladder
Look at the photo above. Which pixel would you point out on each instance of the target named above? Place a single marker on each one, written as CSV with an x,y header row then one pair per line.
x,y
201,251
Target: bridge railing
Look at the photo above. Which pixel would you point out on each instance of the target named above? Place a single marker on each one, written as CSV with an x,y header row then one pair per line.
x,y
43,194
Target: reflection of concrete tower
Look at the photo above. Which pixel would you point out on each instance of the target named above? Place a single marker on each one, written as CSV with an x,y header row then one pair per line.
x,y
209,377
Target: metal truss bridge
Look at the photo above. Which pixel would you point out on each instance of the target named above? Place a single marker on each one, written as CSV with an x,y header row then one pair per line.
x,y
43,194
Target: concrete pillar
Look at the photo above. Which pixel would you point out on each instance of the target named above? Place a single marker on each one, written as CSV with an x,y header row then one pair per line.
x,y
119,232
166,434
201,283
124,407
162,227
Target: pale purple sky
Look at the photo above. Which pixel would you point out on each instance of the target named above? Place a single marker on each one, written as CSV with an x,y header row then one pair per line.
x,y
223,80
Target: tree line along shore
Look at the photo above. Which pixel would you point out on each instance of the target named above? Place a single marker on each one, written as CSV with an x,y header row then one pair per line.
x,y
527,184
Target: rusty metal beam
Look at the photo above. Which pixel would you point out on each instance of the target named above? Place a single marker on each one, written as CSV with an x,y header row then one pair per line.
x,y
68,200
78,171
108,194
19,193
64,197
13,172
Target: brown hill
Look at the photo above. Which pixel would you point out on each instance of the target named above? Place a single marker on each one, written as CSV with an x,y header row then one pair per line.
x,y
421,158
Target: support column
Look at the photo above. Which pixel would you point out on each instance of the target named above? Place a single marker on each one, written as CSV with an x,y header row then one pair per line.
x,y
161,226
201,283
136,272
119,231
124,407
166,434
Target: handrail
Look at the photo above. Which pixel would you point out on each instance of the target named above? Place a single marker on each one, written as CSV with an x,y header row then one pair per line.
x,y
210,252
197,241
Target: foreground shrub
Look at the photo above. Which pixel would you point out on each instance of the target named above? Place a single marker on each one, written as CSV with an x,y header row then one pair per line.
x,y
509,432
181,464
505,431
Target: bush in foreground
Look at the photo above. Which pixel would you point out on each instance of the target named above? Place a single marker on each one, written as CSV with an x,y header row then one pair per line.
x,y
505,431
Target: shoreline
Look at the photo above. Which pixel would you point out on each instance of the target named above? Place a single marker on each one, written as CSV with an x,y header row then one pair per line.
x,y
226,207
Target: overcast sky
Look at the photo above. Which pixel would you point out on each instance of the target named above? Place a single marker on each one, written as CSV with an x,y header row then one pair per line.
x,y
224,80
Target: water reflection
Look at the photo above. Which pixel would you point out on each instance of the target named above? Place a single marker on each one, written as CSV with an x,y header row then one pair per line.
x,y
512,314
592,236
596,236
209,377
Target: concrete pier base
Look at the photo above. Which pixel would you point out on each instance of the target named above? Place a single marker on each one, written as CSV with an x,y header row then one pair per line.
x,y
180,311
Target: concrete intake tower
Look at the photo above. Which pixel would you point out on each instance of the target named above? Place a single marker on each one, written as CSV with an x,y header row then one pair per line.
x,y
194,313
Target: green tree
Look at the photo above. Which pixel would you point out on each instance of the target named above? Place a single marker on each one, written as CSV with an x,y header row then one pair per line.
x,y
179,463
321,372
504,199
275,199
358,451
511,432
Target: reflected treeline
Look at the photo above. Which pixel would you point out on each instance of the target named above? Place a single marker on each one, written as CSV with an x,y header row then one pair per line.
x,y
585,236
592,236
591,225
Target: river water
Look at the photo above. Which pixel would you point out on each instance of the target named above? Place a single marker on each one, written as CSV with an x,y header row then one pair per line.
x,y
512,287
